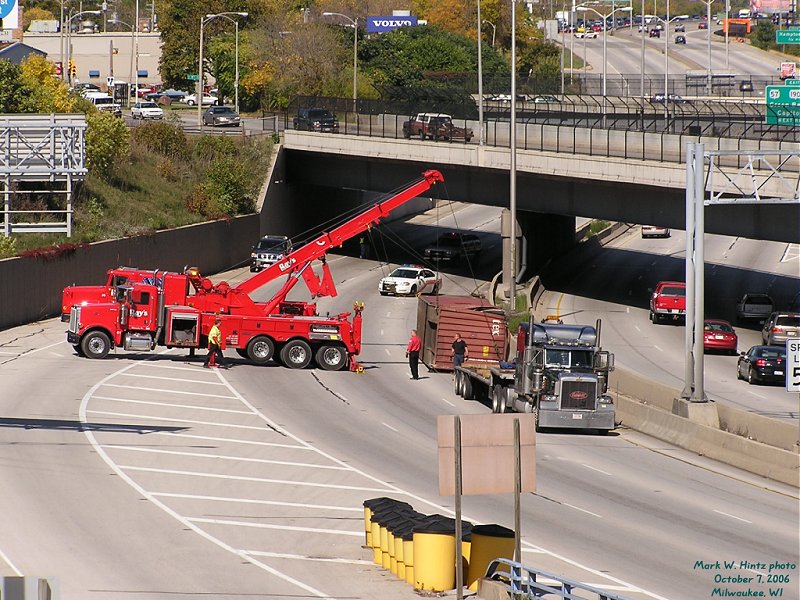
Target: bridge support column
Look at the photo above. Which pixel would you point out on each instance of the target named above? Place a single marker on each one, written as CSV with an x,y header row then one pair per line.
x,y
540,237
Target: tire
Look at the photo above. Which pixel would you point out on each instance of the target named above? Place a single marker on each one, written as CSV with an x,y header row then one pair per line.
x,y
751,376
95,344
260,349
296,354
413,291
469,393
331,357
456,382
497,400
602,432
739,373
422,135
406,134
654,318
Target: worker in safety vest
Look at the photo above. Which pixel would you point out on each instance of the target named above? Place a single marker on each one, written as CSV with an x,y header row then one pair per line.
x,y
215,346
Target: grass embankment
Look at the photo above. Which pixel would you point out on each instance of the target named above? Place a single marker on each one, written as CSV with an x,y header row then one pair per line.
x,y
166,179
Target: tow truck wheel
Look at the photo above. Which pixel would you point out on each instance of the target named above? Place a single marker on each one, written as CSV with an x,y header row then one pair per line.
x,y
497,399
95,344
331,358
296,354
260,349
468,391
457,382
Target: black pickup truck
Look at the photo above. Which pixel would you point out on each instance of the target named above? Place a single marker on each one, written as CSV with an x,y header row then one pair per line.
x,y
316,119
453,247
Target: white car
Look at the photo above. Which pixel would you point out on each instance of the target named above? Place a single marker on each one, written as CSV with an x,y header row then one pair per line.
x,y
410,280
654,231
586,34
191,99
146,110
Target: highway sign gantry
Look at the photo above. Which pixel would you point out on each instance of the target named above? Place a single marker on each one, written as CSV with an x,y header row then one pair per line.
x,y
783,104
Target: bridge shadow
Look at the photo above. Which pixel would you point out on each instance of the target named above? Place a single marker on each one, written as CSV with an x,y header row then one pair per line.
x,y
628,277
72,425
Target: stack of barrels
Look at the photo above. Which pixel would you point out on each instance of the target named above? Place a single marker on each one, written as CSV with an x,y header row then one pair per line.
x,y
420,549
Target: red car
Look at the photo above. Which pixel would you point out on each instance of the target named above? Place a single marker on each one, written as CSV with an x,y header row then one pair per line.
x,y
668,301
720,336
702,25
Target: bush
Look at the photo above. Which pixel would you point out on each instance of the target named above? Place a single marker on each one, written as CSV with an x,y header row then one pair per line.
x,y
166,139
107,141
8,247
210,147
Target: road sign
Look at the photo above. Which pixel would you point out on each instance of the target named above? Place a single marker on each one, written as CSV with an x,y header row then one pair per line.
x,y
792,82
192,77
787,36
793,366
783,104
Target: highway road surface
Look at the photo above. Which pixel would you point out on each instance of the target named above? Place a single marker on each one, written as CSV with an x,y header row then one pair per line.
x,y
144,476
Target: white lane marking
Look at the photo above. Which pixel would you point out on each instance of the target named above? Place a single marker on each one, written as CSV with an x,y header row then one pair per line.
x,y
188,367
381,332
164,419
628,310
28,353
346,561
254,501
596,469
389,426
174,379
226,457
169,404
657,348
588,512
635,326
278,527
6,560
732,516
792,252
212,438
387,352
56,354
758,395
11,353
446,401
255,479
527,546
167,391
102,454
389,314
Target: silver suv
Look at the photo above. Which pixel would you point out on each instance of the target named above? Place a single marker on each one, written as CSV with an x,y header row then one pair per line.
x,y
269,250
781,327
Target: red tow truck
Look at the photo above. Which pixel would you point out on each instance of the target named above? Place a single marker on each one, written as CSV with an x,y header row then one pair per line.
x,y
177,310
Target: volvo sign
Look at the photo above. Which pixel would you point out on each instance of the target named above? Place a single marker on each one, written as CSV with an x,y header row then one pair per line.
x,y
384,24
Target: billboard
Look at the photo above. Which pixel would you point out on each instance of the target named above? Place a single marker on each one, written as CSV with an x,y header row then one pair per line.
x,y
383,24
768,7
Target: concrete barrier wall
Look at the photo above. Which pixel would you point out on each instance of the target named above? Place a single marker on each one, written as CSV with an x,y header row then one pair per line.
x,y
30,287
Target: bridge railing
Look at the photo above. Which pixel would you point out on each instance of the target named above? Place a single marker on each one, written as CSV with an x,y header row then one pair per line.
x,y
630,128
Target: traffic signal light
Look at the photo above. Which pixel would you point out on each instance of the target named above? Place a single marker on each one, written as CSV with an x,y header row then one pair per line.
x,y
58,67
73,70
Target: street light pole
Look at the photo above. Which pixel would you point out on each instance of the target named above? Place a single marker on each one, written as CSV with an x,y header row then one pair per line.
x,y
708,41
605,31
642,33
133,47
494,29
69,35
199,96
480,77
354,24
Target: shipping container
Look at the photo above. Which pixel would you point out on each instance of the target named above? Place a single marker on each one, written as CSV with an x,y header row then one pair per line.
x,y
482,326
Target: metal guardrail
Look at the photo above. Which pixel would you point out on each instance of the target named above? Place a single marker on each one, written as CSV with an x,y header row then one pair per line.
x,y
527,582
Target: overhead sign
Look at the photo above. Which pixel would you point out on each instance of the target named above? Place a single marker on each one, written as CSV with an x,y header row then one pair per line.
x,y
6,6
793,366
783,105
792,82
787,36
769,7
384,24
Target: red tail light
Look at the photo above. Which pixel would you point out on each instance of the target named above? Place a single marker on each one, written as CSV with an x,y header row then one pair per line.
x,y
761,362
777,330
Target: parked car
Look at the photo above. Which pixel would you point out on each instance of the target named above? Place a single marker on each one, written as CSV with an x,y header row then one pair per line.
x,y
762,364
206,100
754,307
720,336
410,280
269,250
435,126
545,99
661,98
586,34
668,301
315,119
221,116
680,39
453,247
781,327
702,25
649,231
680,28
146,110
171,94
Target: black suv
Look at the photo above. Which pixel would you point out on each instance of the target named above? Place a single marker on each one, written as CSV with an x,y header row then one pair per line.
x,y
452,247
316,119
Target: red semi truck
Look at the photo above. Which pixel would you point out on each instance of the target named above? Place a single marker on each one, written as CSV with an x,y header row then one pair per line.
x,y
177,310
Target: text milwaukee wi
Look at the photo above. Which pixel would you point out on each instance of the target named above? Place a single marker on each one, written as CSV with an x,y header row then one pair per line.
x,y
382,24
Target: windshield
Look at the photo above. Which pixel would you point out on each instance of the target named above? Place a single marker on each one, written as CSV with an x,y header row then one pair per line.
x,y
148,105
276,246
568,358
404,273
449,240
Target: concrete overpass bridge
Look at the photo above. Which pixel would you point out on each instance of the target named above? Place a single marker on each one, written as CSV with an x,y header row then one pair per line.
x,y
562,173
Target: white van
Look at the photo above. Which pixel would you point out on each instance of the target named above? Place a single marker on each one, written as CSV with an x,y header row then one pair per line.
x,y
744,13
104,103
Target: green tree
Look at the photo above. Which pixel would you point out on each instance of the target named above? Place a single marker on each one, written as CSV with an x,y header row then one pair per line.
x,y
764,35
15,96
107,142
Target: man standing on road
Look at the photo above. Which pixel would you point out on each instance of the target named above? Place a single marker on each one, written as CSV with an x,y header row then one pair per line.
x,y
363,247
412,353
215,346
460,351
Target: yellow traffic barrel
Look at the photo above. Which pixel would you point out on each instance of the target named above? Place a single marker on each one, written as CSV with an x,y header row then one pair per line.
x,y
488,542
